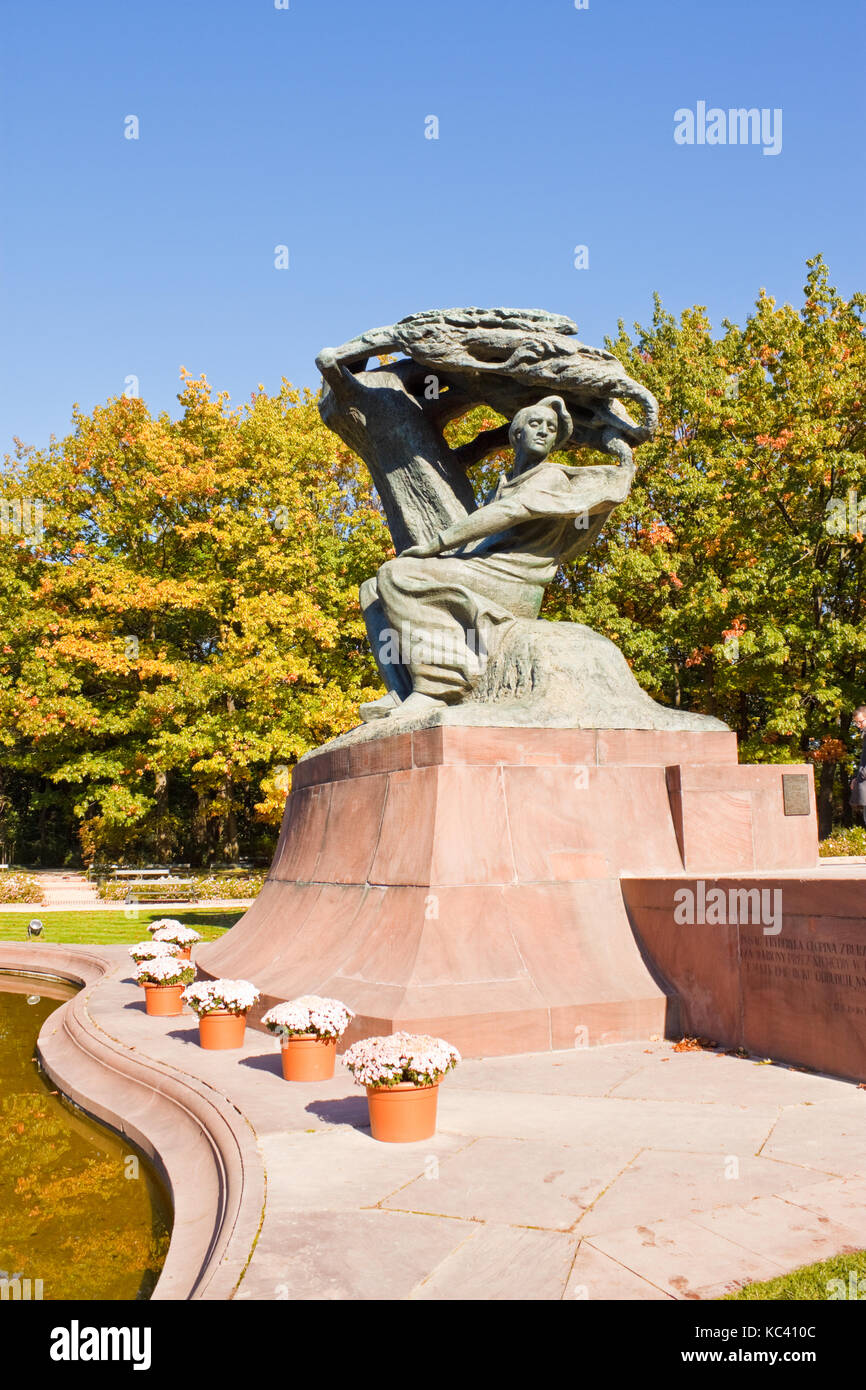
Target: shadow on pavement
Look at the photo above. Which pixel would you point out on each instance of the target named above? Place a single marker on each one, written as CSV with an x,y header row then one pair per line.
x,y
265,1061
349,1110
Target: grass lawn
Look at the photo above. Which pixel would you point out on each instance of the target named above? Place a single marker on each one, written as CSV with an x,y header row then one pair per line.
x,y
811,1281
113,928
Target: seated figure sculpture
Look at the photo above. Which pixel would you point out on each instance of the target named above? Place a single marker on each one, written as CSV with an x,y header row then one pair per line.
x,y
448,596
453,619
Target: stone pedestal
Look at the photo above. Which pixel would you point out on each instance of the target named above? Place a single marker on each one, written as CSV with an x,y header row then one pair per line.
x,y
467,881
781,973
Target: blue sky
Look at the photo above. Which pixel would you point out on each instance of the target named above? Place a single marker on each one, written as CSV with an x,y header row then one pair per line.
x,y
305,127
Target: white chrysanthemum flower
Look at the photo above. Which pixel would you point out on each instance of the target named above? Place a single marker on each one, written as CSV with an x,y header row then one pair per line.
x,y
400,1057
180,935
148,950
165,970
309,1013
221,996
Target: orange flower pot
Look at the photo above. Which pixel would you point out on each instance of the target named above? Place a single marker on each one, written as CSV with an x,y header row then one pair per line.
x,y
221,1029
185,954
402,1114
308,1057
163,1001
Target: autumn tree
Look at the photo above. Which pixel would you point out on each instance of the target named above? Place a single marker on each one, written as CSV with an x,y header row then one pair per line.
x,y
189,624
733,578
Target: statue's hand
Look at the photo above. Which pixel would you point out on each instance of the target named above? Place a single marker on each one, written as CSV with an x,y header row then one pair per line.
x,y
424,551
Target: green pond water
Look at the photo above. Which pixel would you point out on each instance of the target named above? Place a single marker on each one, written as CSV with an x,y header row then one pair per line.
x,y
80,1208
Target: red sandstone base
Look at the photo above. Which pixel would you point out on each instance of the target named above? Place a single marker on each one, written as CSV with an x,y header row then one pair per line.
x,y
467,881
774,963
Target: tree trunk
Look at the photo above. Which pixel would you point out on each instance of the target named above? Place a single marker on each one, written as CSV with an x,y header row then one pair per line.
x,y
43,826
199,829
825,799
228,830
162,836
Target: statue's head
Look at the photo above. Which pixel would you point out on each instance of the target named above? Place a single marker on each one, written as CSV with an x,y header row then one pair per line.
x,y
538,429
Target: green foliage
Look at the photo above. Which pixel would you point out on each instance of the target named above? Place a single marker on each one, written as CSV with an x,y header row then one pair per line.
x,y
848,840
218,886
189,624
726,578
840,1278
17,887
207,886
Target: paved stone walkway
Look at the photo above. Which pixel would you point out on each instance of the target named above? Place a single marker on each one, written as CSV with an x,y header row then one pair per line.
x,y
65,889
623,1172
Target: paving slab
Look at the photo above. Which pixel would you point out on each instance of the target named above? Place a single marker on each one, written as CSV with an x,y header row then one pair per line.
x,y
680,1257
596,1276
795,1235
344,1169
660,1183
842,1200
581,1071
592,1120
339,1255
711,1078
500,1263
516,1181
830,1137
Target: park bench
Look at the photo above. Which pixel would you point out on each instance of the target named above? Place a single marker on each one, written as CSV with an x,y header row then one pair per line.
x,y
163,889
154,884
141,873
103,872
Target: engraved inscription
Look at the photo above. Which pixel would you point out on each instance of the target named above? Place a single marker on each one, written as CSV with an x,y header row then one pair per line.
x,y
839,966
795,791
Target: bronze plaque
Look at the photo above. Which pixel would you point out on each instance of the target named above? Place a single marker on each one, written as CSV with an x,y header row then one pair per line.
x,y
795,791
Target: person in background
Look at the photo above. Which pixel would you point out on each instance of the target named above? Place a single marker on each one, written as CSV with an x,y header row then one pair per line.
x,y
858,781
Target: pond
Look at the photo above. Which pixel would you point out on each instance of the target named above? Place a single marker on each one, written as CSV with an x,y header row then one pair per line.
x,y
80,1208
